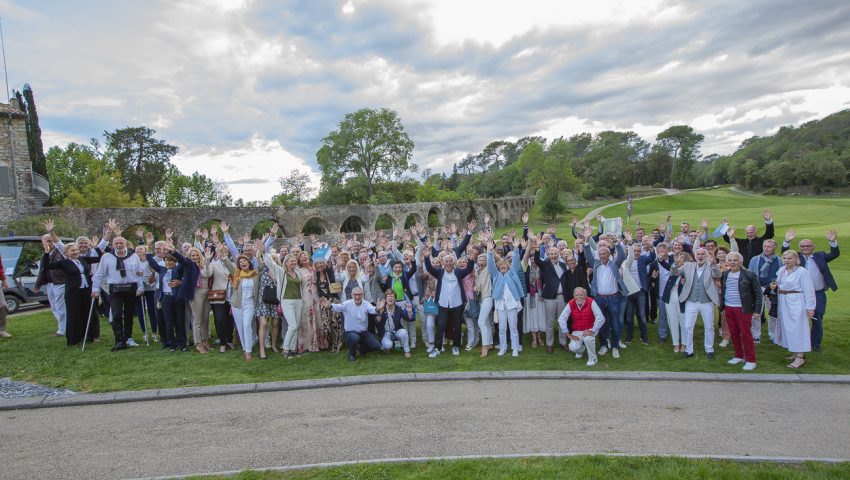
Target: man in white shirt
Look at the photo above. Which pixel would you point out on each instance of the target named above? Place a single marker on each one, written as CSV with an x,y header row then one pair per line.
x,y
355,323
587,320
123,270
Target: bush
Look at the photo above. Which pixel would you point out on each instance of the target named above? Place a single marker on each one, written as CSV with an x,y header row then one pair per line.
x,y
771,191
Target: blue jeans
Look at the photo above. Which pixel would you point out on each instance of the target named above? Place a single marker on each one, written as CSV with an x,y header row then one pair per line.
x,y
662,320
636,304
817,320
609,334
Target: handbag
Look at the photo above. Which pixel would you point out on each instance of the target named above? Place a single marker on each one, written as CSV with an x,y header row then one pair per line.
x,y
430,307
216,295
122,288
335,287
270,295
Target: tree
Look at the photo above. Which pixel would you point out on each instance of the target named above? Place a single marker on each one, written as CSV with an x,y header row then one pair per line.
x,y
682,144
296,189
369,143
142,159
550,204
72,168
196,190
36,147
104,192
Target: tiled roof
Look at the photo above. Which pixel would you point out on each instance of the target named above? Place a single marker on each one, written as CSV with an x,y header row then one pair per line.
x,y
6,109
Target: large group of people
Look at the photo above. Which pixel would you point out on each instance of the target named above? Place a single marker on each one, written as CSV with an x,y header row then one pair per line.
x,y
370,293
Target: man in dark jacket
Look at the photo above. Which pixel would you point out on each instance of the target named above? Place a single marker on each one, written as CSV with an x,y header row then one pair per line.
x,y
753,245
741,302
553,273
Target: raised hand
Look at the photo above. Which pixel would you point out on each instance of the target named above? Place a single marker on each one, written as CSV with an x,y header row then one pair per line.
x,y
525,217
246,238
832,235
168,234
574,221
668,218
274,228
637,221
213,230
767,214
313,238
197,233
491,245
427,249
224,227
790,235
471,226
704,224
730,232
149,238
381,304
94,241
260,246
208,254
205,234
49,225
627,236
140,232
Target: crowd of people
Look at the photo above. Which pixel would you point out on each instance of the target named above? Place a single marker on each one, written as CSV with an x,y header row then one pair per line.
x,y
580,295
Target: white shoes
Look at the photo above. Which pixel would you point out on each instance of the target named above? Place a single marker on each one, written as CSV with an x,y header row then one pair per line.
x,y
735,361
515,353
455,351
5,334
615,353
430,348
579,355
749,366
622,345
501,353
724,343
132,343
603,351
434,353
591,363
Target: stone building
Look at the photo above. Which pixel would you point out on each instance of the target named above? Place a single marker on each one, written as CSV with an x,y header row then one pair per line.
x,y
22,192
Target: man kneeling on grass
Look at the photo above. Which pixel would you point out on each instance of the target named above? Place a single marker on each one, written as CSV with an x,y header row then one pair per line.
x,y
587,320
390,316
355,323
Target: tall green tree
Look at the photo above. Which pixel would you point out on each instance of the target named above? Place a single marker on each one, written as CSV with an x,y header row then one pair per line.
x,y
72,168
682,144
295,189
36,147
369,143
141,158
196,190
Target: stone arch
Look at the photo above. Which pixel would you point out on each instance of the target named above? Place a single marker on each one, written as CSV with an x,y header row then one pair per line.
x,y
384,222
129,232
472,215
261,226
412,220
455,215
353,224
434,219
315,225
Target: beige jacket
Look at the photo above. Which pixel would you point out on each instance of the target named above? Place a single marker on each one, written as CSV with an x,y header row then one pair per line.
x,y
689,271
236,293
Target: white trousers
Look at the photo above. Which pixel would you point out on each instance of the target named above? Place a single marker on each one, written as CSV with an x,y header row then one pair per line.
x,y
472,331
674,316
428,330
584,343
485,321
56,297
292,313
401,335
508,318
244,320
706,311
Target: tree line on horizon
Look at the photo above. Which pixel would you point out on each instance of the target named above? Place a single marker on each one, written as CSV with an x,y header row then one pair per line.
x,y
367,159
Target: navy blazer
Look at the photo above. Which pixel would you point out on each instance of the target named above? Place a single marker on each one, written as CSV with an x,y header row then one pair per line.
x,y
644,261
550,278
821,260
161,270
438,274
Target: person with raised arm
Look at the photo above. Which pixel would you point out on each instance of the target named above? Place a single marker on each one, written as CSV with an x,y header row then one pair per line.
x,y
507,292
753,245
390,322
355,313
700,296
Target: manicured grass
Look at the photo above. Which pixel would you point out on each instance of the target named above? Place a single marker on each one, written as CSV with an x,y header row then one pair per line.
x,y
581,467
34,355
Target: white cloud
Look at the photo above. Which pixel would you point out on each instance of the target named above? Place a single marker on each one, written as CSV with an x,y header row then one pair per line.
x,y
252,172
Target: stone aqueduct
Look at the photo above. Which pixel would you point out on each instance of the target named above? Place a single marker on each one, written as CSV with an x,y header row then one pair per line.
x,y
331,218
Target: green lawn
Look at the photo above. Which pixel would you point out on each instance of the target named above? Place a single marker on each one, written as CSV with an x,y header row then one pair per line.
x,y
580,467
34,355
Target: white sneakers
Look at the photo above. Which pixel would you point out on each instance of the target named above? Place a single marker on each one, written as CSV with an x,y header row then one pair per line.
x,y
603,351
591,363
455,351
501,353
615,353
434,353
579,355
131,342
735,361
622,345
724,343
515,353
749,366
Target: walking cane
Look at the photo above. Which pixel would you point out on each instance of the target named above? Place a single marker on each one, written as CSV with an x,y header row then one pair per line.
x,y
88,322
144,321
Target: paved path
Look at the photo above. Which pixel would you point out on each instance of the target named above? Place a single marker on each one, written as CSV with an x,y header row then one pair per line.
x,y
593,213
222,433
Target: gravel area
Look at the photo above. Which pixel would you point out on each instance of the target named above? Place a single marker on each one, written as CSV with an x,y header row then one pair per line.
x,y
12,389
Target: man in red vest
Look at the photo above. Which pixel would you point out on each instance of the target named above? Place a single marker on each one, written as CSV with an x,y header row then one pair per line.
x,y
587,320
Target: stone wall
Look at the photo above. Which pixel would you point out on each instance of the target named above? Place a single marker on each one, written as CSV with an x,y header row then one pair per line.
x,y
29,202
293,219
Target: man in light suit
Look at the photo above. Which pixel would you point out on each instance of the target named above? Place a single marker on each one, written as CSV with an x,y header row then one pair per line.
x,y
607,289
699,294
821,276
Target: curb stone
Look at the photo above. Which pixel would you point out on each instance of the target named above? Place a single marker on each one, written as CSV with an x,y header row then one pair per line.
x,y
293,385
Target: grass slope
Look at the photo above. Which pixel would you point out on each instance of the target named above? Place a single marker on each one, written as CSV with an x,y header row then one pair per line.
x,y
34,355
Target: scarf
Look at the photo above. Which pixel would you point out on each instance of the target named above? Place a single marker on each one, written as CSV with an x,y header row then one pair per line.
x,y
235,279
764,267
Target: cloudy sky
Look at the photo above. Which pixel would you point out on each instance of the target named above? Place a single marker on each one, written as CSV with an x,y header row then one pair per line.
x,y
248,88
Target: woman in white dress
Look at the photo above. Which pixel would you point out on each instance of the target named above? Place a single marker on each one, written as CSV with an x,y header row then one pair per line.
x,y
796,305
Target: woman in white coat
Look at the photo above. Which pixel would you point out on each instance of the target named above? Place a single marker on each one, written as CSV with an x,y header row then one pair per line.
x,y
796,305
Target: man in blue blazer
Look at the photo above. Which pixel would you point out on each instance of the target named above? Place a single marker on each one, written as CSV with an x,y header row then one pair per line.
x,y
817,265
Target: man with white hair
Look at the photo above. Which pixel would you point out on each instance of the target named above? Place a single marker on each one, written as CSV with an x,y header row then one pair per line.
x,y
449,296
740,301
765,266
53,281
355,320
123,270
587,320
699,294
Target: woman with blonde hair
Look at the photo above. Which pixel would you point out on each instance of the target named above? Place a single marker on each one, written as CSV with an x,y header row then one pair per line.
x,y
243,299
200,305
268,299
216,271
289,281
796,306
309,339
